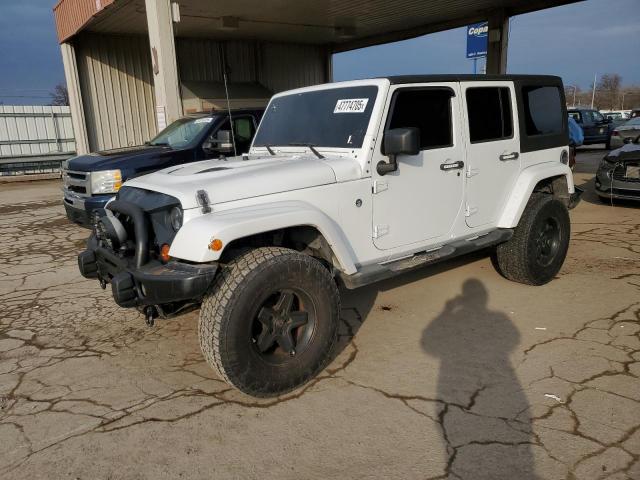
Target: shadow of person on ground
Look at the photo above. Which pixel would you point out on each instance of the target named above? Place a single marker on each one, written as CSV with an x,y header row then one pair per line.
x,y
480,390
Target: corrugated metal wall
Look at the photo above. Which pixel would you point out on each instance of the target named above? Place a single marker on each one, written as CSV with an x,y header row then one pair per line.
x,y
35,130
117,89
117,82
278,66
284,66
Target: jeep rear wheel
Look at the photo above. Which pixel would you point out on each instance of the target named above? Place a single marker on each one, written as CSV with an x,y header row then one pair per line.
x,y
536,252
270,321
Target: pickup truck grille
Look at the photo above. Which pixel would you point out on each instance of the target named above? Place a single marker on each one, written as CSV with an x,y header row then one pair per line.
x,y
621,172
77,182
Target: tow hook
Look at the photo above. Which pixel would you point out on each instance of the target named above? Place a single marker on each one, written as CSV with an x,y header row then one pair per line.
x,y
150,314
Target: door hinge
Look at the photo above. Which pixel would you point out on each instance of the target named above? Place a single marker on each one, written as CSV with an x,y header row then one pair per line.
x,y
379,186
380,230
472,172
470,210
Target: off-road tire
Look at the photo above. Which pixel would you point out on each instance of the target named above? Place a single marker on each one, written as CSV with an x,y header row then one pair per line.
x,y
228,310
517,259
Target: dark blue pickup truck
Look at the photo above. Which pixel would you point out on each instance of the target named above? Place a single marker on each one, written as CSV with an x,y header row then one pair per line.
x,y
90,181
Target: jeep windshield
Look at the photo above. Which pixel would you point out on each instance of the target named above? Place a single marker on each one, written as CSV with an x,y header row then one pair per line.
x,y
181,132
334,117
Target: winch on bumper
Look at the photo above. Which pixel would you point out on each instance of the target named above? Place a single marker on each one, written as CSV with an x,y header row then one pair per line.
x,y
139,279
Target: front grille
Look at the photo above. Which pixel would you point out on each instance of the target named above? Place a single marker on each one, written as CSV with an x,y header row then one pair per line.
x,y
620,173
77,182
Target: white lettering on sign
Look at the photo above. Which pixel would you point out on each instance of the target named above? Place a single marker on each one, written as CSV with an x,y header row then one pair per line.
x,y
351,105
479,31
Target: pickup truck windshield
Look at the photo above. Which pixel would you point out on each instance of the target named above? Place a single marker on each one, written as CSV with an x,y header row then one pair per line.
x,y
181,132
335,117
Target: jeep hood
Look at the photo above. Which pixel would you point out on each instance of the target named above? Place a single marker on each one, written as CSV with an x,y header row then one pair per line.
x,y
237,179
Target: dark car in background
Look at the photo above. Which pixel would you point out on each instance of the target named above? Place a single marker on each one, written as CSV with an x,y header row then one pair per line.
x,y
625,133
618,176
90,181
595,126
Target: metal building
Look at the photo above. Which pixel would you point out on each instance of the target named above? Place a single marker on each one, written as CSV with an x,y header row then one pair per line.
x,y
133,66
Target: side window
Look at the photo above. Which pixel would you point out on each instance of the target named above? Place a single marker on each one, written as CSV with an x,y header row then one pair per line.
x,y
576,116
598,117
489,112
429,110
542,110
243,128
588,116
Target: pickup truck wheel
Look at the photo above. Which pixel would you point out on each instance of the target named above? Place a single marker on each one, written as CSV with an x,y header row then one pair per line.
x,y
536,252
270,321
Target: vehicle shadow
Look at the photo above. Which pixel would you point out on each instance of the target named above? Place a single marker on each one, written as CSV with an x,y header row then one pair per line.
x,y
357,304
480,388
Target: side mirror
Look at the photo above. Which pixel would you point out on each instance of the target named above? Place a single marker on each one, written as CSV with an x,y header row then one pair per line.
x,y
221,144
398,141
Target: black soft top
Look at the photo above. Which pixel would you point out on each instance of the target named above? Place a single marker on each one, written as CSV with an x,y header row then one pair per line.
x,y
522,83
461,77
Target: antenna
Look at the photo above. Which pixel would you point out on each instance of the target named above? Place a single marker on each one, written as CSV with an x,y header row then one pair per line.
x,y
226,91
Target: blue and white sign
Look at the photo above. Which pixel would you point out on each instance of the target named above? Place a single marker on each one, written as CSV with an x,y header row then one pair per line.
x,y
477,35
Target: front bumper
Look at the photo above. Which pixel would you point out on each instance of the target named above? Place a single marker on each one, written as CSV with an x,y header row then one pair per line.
x,y
606,187
140,279
82,210
154,283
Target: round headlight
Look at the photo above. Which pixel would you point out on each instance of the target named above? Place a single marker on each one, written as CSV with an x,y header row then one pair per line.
x,y
175,218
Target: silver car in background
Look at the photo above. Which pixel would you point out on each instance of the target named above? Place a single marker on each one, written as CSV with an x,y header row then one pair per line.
x,y
629,130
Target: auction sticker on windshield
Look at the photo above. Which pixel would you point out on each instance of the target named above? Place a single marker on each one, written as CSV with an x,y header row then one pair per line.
x,y
351,105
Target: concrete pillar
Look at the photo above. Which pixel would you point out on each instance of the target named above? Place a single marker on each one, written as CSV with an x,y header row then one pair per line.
x,y
498,43
75,98
163,60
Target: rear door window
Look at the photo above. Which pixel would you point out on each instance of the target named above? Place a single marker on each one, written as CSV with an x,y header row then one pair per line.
x,y
542,110
489,114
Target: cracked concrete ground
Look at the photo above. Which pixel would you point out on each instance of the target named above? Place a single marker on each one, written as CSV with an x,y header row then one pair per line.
x,y
450,372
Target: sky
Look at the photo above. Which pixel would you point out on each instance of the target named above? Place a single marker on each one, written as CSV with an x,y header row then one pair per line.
x,y
574,41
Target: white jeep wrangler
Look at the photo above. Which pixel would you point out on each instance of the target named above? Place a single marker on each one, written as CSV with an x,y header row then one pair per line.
x,y
345,184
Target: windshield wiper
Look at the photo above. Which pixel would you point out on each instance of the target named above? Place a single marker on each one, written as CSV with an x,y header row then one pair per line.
x,y
159,144
310,146
268,147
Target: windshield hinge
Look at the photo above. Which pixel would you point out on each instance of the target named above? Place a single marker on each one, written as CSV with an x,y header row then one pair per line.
x,y
380,230
379,186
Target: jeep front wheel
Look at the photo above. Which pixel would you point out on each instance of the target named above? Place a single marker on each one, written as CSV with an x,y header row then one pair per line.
x,y
270,321
536,252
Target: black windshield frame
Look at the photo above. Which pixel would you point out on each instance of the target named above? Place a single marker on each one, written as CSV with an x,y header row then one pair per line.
x,y
311,118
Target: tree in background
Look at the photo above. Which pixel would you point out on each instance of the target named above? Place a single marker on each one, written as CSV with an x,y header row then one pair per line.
x,y
608,91
60,95
610,94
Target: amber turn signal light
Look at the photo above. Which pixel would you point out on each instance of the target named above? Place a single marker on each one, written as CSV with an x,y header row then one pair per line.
x,y
215,245
164,253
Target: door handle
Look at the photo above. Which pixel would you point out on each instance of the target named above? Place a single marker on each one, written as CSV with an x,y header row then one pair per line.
x,y
505,157
452,166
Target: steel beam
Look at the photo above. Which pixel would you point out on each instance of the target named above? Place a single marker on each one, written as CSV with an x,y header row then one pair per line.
x,y
498,43
75,98
163,60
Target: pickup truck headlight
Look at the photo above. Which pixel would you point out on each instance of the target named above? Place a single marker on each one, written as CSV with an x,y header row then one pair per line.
x,y
175,218
106,181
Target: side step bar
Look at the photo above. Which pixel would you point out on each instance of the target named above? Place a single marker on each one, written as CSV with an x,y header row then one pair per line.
x,y
377,272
